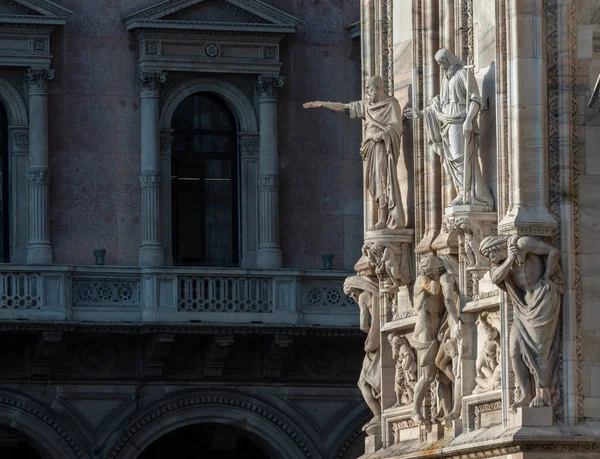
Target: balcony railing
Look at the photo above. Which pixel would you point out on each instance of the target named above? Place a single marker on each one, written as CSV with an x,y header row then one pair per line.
x,y
174,294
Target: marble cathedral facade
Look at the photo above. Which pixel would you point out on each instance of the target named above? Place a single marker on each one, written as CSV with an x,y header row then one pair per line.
x,y
485,344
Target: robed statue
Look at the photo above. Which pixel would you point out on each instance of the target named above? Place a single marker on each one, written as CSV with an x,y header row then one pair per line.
x,y
452,129
380,149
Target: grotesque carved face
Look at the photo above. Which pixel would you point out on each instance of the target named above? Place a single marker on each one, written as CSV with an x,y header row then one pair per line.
x,y
430,266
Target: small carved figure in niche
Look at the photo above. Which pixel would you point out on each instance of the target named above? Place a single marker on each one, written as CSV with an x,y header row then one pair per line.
x,y
406,369
529,271
471,242
435,294
380,149
451,126
364,292
488,361
391,267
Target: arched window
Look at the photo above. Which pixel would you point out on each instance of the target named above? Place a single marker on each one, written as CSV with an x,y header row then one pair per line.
x,y
204,183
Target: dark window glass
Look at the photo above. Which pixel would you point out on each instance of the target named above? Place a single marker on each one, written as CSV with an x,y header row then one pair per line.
x,y
4,193
204,183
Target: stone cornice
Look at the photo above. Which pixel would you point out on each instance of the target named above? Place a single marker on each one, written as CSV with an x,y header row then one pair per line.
x,y
197,26
254,8
255,15
182,328
35,12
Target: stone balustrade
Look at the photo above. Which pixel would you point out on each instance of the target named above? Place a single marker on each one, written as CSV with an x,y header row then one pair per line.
x,y
174,294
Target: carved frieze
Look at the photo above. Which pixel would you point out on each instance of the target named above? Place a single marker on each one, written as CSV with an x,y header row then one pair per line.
x,y
405,377
488,369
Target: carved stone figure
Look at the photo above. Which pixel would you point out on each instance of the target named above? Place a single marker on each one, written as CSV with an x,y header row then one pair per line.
x,y
437,338
529,271
406,369
365,292
452,129
390,266
488,361
380,149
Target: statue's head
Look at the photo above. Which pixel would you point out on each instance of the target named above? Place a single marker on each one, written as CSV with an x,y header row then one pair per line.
x,y
494,248
375,89
448,61
431,266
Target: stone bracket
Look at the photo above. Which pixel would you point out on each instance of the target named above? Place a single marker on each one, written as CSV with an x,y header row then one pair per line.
x,y
157,352
217,354
44,353
278,349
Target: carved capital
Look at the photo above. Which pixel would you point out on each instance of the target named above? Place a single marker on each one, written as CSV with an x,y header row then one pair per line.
x,y
20,142
268,85
39,177
268,182
151,81
150,179
37,79
166,141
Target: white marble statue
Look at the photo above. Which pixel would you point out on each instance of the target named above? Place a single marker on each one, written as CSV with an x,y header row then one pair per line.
x,y
406,369
529,271
488,361
437,339
452,129
365,292
380,149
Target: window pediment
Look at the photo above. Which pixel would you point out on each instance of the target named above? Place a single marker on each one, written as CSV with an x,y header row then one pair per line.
x,y
25,28
212,15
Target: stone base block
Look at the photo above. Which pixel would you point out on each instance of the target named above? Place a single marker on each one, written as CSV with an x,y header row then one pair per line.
x,y
372,443
39,254
269,258
454,428
151,255
435,432
531,417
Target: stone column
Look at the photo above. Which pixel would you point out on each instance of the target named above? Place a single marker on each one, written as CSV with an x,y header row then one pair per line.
x,y
269,253
39,249
528,119
151,249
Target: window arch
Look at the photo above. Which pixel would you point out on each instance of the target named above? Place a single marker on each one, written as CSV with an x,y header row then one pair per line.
x,y
204,182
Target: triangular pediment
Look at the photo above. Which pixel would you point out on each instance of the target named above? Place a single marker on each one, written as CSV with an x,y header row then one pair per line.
x,y
246,14
32,11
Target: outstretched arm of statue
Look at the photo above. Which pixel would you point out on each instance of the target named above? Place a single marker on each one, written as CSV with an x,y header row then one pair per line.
x,y
335,106
364,318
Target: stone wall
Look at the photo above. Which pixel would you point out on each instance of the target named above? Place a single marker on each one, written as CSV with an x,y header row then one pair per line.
x,y
94,136
588,53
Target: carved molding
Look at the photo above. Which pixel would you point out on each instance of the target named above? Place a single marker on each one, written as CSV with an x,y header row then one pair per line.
x,y
188,401
20,411
249,147
236,99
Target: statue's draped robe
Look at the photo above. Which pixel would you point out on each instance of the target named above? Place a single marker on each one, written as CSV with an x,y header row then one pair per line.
x,y
444,120
382,157
372,363
535,326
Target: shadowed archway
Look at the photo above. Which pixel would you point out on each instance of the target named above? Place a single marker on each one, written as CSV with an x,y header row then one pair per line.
x,y
205,440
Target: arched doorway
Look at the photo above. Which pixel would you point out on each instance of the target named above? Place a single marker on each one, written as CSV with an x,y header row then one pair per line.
x,y
15,445
205,440
204,183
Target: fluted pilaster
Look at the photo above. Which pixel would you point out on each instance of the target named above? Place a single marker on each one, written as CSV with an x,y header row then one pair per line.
x,y
269,252
39,248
